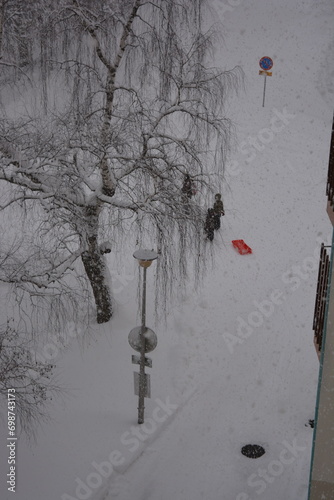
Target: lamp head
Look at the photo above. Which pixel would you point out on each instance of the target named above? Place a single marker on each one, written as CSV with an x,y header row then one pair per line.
x,y
145,257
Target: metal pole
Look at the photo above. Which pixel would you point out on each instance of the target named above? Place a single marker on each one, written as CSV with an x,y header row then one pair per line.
x,y
264,89
142,376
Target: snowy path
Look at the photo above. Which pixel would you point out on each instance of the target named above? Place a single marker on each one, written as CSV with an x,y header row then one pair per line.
x,y
261,389
200,458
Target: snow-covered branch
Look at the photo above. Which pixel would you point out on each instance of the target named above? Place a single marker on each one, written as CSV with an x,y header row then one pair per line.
x,y
125,103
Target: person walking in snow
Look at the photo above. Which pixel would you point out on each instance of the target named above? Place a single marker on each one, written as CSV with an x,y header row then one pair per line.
x,y
218,209
188,188
209,225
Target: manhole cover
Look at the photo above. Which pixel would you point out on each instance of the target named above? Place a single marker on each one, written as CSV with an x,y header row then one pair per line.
x,y
253,450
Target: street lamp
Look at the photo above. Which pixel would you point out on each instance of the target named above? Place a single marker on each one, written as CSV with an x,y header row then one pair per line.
x,y
146,342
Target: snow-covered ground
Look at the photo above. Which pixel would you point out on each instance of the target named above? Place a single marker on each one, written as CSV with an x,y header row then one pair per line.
x,y
235,363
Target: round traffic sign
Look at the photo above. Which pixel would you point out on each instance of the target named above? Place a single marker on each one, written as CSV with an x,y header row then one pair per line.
x,y
134,338
266,63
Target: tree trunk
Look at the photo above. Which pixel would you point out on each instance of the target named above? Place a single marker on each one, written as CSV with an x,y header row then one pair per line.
x,y
2,20
95,268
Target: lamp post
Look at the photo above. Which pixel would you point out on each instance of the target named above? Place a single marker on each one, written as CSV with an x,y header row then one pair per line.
x,y
145,259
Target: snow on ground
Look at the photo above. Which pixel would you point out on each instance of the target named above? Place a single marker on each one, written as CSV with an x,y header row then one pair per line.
x,y
235,363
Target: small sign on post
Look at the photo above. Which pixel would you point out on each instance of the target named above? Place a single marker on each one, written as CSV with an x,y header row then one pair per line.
x,y
266,63
136,361
144,382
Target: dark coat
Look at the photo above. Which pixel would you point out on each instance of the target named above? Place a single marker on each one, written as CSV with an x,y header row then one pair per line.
x,y
188,188
209,225
218,206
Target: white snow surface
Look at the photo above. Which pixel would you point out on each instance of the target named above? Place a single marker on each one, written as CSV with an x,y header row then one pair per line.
x,y
235,363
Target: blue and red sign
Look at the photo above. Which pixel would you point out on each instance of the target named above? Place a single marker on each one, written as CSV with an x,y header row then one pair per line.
x,y
266,63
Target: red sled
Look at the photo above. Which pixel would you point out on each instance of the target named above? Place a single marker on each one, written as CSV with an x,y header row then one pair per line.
x,y
241,247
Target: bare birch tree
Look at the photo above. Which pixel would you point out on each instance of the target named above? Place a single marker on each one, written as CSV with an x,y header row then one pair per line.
x,y
26,385
119,103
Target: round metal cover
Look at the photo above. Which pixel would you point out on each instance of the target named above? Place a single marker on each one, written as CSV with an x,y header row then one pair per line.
x,y
253,450
151,340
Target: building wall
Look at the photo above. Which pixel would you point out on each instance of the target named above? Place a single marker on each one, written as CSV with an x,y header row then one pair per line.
x,y
322,473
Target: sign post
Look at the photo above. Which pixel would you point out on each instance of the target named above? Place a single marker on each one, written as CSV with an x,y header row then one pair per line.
x,y
266,63
143,339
